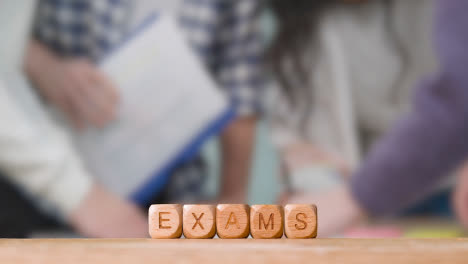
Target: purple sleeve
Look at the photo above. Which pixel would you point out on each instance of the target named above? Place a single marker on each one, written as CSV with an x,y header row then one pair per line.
x,y
432,140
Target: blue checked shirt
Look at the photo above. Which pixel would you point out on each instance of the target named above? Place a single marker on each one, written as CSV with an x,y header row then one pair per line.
x,y
81,27
224,33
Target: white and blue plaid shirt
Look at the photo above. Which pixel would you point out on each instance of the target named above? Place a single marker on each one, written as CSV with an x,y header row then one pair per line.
x,y
223,32
226,34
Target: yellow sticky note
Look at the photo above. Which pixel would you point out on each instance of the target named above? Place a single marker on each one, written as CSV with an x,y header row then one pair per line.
x,y
434,233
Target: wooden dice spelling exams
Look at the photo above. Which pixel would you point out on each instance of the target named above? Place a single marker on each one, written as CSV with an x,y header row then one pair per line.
x,y
266,221
165,220
300,221
199,221
233,220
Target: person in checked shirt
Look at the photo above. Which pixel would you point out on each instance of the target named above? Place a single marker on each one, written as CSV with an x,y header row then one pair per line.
x,y
70,36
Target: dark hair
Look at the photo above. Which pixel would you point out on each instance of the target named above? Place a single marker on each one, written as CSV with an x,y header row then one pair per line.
x,y
298,21
297,24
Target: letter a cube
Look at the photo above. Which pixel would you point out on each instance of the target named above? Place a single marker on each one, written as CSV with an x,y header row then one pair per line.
x,y
232,220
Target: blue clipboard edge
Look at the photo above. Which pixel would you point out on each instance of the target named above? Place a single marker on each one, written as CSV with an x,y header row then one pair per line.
x,y
154,185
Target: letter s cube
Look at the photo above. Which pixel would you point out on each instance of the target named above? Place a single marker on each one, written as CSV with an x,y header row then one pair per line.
x,y
301,221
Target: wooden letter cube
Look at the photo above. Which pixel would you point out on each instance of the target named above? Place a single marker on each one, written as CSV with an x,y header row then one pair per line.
x,y
301,221
199,221
232,220
165,220
266,221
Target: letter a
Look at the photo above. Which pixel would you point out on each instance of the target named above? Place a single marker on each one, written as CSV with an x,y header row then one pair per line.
x,y
232,220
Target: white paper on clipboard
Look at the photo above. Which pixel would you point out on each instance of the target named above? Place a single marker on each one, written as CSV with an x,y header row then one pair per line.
x,y
169,106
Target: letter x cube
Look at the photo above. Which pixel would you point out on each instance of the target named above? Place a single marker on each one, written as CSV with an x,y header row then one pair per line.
x,y
199,221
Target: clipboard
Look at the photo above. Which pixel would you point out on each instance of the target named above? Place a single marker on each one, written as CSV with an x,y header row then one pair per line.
x,y
193,110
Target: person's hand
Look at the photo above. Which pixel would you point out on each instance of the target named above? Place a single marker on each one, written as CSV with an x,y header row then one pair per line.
x,y
104,215
336,209
75,86
302,154
460,196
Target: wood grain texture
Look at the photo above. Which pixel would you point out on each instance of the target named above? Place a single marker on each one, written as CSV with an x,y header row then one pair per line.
x,y
165,220
245,251
266,221
199,221
233,220
300,221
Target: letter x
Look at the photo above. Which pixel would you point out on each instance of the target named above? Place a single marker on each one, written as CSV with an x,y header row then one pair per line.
x,y
197,221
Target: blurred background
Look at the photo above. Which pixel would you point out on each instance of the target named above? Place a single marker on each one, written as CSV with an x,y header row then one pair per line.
x,y
109,106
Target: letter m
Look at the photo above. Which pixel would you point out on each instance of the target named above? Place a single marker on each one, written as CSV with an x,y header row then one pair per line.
x,y
266,225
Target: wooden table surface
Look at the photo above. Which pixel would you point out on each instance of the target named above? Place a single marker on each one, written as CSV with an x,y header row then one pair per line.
x,y
243,251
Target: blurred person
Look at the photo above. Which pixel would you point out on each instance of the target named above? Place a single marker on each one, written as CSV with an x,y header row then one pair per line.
x,y
346,71
71,36
39,167
226,35
47,171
